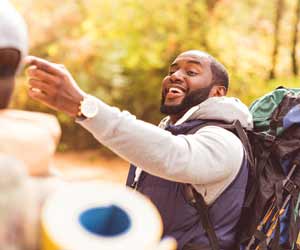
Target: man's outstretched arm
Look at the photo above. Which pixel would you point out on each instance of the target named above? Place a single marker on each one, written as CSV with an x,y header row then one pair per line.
x,y
211,155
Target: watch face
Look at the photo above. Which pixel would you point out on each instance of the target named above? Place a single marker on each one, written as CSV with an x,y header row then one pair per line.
x,y
89,107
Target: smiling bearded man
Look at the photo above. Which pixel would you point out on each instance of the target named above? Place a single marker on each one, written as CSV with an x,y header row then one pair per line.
x,y
177,154
177,97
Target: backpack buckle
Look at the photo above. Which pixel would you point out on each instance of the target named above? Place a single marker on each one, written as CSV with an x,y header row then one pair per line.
x,y
134,185
290,186
269,138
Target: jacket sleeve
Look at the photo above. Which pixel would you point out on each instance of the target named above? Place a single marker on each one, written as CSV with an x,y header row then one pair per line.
x,y
211,155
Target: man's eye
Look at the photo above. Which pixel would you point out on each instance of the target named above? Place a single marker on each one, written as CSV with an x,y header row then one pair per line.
x,y
171,72
191,73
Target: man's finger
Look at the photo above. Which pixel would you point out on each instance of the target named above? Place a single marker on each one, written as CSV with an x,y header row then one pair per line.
x,y
41,97
43,76
44,65
37,95
42,86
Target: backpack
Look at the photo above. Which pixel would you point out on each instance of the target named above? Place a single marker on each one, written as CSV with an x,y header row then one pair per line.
x,y
270,217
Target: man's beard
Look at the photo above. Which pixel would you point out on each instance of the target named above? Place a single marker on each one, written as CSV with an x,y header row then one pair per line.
x,y
191,99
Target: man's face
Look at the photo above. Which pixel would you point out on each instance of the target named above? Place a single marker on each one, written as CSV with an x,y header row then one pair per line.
x,y
187,84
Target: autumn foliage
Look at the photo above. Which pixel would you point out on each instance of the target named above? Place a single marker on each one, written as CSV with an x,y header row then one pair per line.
x,y
119,50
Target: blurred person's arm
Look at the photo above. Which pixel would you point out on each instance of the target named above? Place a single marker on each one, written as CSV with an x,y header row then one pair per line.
x,y
46,121
31,137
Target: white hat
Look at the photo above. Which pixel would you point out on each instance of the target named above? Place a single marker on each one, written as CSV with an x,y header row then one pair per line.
x,y
13,30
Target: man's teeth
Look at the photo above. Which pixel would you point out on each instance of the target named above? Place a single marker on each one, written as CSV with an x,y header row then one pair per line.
x,y
175,90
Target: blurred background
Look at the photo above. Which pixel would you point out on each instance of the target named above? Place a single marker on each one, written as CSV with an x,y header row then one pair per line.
x,y
120,50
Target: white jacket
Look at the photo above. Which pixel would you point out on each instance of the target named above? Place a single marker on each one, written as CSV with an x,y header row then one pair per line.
x,y
209,159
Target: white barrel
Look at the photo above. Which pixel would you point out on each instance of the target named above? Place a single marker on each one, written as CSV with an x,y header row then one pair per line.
x,y
101,216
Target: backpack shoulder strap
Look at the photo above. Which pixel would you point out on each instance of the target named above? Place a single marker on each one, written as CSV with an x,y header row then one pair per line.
x,y
235,127
202,210
198,200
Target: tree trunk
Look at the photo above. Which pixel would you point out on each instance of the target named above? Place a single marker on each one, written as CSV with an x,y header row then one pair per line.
x,y
279,10
211,4
295,68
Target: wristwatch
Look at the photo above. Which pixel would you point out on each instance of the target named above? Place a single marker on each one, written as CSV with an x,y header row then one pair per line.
x,y
88,107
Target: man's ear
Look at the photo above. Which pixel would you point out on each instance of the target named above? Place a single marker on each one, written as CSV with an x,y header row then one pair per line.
x,y
218,90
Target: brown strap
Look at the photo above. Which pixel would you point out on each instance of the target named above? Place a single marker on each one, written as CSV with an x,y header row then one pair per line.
x,y
202,209
245,141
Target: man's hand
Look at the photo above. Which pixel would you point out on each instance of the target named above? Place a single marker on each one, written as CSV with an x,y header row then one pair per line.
x,y
53,85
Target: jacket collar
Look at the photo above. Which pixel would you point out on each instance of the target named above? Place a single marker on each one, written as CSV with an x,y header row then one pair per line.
x,y
223,108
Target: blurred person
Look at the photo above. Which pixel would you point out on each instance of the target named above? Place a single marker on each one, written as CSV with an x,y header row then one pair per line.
x,y
28,142
29,136
175,155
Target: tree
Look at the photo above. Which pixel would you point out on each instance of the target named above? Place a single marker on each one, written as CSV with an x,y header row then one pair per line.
x,y
211,4
120,50
278,16
295,68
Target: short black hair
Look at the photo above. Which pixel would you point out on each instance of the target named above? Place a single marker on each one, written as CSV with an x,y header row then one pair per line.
x,y
219,73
